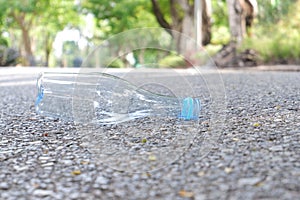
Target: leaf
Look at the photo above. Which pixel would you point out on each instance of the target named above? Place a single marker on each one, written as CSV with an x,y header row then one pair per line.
x,y
187,194
152,158
256,124
144,140
76,172
259,184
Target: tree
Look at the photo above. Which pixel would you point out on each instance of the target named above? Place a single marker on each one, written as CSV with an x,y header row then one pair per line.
x,y
49,16
178,15
182,19
115,16
273,11
58,15
241,15
22,16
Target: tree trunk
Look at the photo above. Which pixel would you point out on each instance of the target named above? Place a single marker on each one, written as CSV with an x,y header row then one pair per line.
x,y
25,37
48,48
159,16
187,29
250,9
235,20
48,51
206,21
241,15
182,20
27,46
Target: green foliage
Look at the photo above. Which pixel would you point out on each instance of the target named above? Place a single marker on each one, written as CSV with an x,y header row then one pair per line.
x,y
114,16
149,56
277,48
60,14
3,42
38,21
117,63
272,11
279,42
220,13
220,35
213,49
172,61
220,28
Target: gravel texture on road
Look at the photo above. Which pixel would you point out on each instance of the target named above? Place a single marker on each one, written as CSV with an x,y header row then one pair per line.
x,y
256,157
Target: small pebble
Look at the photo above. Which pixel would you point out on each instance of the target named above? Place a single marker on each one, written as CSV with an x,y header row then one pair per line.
x,y
4,186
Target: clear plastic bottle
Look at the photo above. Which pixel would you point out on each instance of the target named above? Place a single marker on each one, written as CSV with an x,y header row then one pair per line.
x,y
106,99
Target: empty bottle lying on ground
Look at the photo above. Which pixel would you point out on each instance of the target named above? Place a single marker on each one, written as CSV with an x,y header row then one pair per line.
x,y
106,99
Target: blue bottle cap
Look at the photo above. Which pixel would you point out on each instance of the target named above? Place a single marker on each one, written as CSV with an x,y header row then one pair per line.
x,y
39,96
190,109
40,89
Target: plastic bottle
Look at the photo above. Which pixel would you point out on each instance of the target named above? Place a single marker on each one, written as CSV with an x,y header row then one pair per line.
x,y
106,99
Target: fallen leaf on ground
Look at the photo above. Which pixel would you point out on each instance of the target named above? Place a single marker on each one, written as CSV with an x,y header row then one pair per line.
x,y
256,124
76,172
184,193
144,140
259,184
152,158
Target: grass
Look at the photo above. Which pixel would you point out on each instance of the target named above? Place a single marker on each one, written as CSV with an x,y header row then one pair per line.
x,y
278,46
172,61
278,42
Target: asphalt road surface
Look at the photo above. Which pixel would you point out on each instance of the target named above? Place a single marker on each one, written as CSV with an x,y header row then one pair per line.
x,y
256,154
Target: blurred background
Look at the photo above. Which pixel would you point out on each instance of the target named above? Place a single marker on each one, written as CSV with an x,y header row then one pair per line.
x,y
61,33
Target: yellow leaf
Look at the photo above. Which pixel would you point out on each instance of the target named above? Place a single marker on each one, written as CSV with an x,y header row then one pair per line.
x,y
256,124
187,194
144,140
76,172
152,158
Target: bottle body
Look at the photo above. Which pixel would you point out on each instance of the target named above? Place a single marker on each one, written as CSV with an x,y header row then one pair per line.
x,y
54,95
106,99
